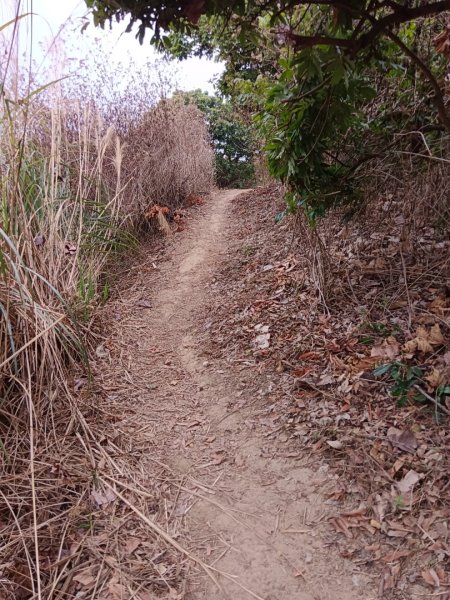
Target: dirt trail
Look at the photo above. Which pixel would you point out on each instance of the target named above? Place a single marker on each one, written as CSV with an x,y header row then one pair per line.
x,y
263,518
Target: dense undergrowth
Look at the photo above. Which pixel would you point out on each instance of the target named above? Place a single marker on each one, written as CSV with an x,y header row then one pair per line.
x,y
77,173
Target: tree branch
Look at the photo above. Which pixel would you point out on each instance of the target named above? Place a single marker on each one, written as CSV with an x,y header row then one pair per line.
x,y
306,41
438,95
400,14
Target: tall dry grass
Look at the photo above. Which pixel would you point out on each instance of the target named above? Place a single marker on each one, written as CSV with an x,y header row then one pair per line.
x,y
165,149
75,176
61,199
167,152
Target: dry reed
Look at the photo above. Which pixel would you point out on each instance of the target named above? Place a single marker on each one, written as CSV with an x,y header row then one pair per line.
x,y
72,183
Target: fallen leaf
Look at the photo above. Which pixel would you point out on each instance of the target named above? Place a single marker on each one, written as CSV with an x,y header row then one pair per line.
x,y
301,372
116,590
325,380
262,341
365,364
219,457
399,464
436,337
441,573
404,440
333,346
337,363
375,524
377,263
340,525
132,544
386,582
438,377
396,555
388,349
397,533
408,482
376,453
86,577
356,512
430,577
103,498
424,340
336,444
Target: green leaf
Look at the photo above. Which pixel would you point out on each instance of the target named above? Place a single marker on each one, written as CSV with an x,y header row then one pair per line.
x,y
443,390
382,370
337,70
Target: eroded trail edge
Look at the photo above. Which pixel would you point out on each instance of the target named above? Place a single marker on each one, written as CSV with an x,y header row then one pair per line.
x,y
246,509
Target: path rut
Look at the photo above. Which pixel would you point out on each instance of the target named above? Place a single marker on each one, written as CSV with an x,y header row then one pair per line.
x,y
264,525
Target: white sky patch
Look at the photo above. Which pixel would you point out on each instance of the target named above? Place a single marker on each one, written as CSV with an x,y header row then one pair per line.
x,y
53,36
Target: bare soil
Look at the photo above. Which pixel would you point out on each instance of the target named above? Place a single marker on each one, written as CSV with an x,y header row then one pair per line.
x,y
255,514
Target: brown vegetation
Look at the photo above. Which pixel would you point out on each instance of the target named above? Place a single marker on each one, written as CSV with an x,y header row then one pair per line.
x,y
317,312
169,158
74,186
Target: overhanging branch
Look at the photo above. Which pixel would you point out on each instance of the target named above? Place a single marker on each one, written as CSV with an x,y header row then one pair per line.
x,y
305,41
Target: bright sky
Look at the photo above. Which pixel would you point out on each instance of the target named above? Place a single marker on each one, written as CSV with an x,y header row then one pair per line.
x,y
54,19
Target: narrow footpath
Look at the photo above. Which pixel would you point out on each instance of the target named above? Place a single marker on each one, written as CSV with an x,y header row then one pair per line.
x,y
258,518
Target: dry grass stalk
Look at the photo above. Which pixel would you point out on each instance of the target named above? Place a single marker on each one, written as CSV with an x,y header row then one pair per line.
x,y
71,184
320,272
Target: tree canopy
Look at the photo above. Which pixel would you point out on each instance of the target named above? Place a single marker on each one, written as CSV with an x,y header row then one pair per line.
x,y
330,83
349,24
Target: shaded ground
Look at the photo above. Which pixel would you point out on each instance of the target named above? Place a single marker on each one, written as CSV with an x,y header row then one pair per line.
x,y
233,498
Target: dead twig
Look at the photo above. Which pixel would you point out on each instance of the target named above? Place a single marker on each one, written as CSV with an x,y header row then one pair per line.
x,y
433,400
